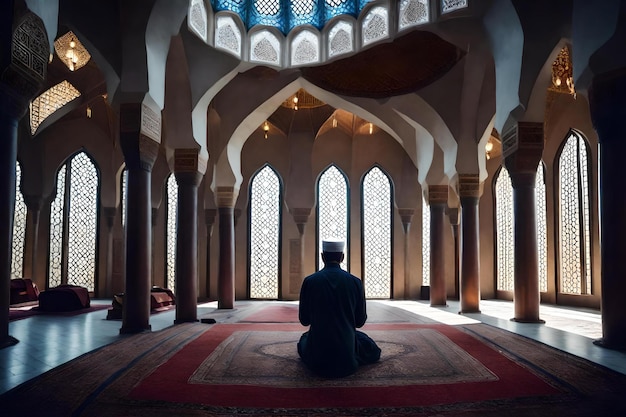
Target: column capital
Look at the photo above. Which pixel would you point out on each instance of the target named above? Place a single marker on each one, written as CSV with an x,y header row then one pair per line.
x,y
189,168
33,202
140,133
406,215
454,214
470,186
225,196
438,194
301,217
209,216
523,147
109,213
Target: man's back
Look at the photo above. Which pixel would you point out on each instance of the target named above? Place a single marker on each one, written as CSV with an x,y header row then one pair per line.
x,y
332,302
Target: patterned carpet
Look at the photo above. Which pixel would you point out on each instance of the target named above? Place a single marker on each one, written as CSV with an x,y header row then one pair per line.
x,y
251,368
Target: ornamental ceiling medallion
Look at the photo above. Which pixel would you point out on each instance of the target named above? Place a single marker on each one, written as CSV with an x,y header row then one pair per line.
x,y
302,100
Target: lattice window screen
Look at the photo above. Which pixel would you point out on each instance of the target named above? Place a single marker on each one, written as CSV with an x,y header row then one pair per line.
x,y
425,243
574,218
377,234
56,231
505,239
172,209
19,227
332,203
264,234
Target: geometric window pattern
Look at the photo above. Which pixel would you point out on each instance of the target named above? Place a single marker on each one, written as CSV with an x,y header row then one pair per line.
x,y
450,5
170,240
264,234
377,205
285,15
305,48
542,228
505,233
574,217
412,13
50,101
332,206
228,35
124,195
375,26
340,38
425,243
19,227
265,47
74,224
198,18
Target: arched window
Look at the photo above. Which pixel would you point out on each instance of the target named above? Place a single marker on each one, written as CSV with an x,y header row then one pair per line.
x,y
505,227
74,224
332,210
265,215
505,224
574,228
170,232
377,221
19,227
425,243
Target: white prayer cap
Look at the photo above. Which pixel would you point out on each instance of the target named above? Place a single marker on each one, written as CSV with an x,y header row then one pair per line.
x,y
332,245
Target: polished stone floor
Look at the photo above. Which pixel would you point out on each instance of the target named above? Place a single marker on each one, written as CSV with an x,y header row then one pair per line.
x,y
49,341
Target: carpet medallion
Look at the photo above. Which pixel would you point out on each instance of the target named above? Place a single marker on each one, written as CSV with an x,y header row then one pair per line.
x,y
409,357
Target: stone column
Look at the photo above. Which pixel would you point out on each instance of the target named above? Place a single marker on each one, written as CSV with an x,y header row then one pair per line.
x,y
188,169
226,269
209,219
33,204
22,74
296,248
140,153
437,201
522,150
607,99
454,216
470,190
406,215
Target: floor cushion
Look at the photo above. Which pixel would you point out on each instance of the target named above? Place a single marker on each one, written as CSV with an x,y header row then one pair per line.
x,y
23,290
64,298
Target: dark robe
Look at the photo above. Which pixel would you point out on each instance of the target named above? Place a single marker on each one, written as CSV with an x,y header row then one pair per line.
x,y
332,303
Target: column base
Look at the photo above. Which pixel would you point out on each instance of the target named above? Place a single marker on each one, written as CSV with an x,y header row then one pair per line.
x,y
538,321
469,312
135,330
439,305
608,345
8,341
180,321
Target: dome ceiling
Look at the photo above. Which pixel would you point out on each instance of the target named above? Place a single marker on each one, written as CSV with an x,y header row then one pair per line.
x,y
406,65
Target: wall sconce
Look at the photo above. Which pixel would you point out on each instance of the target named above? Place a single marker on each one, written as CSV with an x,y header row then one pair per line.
x,y
334,121
88,112
488,149
266,129
371,128
295,102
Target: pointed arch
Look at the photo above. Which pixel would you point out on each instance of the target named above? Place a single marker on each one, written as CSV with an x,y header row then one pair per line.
x,y
264,231
377,223
74,224
573,204
333,195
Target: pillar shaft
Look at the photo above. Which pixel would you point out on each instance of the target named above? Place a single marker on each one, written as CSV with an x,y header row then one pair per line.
x,y
8,157
188,178
608,110
226,273
437,199
140,152
469,191
406,215
523,147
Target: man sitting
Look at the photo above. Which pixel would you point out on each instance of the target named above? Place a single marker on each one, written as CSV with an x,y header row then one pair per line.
x,y
332,302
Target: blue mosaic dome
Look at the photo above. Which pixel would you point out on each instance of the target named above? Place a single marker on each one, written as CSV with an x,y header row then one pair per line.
x,y
286,15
